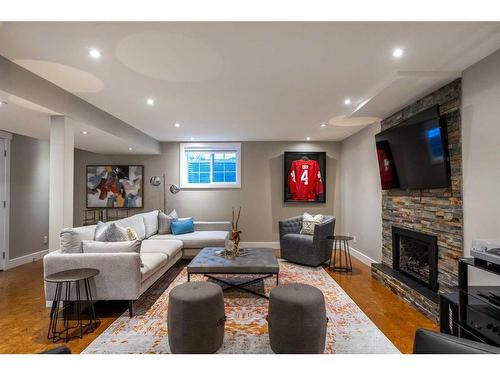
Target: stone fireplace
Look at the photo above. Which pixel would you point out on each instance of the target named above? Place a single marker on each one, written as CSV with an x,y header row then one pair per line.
x,y
422,230
415,255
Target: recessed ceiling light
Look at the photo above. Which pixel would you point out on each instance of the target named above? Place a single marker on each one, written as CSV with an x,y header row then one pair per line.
x,y
130,148
95,53
177,125
323,125
150,101
347,101
397,52
2,103
192,138
308,138
84,132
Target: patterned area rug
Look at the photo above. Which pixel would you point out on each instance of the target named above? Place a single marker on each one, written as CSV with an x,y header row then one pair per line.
x,y
349,329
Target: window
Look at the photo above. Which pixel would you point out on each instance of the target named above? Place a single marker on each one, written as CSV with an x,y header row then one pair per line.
x,y
210,165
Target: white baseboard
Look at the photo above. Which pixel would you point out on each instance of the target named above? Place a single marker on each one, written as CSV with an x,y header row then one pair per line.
x,y
272,245
16,262
362,257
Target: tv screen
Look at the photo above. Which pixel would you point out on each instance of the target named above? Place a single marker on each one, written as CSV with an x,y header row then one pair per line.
x,y
413,154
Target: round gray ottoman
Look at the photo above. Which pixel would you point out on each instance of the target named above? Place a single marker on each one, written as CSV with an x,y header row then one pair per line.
x,y
195,318
297,319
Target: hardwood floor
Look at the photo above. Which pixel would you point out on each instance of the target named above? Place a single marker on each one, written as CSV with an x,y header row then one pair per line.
x,y
24,318
395,318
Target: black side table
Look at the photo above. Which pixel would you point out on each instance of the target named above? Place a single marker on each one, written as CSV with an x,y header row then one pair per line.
x,y
344,250
77,276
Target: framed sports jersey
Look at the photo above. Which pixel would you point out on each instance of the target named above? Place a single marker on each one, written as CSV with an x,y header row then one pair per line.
x,y
305,174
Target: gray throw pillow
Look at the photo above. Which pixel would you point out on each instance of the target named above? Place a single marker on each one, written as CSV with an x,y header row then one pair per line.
x,y
110,232
71,238
165,220
111,247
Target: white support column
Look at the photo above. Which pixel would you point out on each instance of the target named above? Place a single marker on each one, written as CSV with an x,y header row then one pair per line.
x,y
62,139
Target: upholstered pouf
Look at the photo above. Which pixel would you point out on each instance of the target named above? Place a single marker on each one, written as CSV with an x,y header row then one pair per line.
x,y
297,319
195,318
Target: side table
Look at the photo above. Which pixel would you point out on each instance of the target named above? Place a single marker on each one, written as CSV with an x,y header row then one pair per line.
x,y
337,254
65,278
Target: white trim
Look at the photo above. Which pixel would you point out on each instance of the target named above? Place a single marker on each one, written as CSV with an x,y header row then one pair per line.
x,y
362,257
6,137
184,184
16,262
272,245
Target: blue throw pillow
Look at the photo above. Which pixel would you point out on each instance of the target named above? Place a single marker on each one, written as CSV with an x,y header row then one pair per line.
x,y
182,226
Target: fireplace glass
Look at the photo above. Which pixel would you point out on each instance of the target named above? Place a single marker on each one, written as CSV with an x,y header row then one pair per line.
x,y
414,258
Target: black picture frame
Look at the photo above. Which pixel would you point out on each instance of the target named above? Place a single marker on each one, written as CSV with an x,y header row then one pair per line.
x,y
288,159
115,167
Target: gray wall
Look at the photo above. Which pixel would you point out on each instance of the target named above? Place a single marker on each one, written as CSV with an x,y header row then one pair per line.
x,y
361,193
29,195
261,194
481,156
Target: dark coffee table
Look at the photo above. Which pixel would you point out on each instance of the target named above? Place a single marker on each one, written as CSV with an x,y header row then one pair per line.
x,y
260,262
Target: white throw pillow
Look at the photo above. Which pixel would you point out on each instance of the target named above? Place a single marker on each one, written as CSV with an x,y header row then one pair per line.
x,y
165,220
111,247
309,222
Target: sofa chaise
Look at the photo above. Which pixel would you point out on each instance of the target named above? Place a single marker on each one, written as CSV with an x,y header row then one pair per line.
x,y
126,275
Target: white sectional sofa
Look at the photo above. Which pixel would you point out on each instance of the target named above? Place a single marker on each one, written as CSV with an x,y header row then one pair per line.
x,y
126,275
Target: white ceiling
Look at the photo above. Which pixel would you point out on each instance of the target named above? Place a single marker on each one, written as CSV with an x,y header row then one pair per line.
x,y
26,118
248,81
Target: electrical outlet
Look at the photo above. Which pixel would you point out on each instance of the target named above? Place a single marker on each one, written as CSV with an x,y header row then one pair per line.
x,y
45,240
353,239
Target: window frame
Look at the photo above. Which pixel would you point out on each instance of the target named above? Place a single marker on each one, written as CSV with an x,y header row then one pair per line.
x,y
208,147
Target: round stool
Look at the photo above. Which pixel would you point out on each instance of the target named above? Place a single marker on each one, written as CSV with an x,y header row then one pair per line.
x,y
195,318
297,319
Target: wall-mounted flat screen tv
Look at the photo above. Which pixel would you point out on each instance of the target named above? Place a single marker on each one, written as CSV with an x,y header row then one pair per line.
x,y
413,154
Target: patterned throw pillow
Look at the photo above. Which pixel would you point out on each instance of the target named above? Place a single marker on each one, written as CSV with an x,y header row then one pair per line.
x,y
164,221
309,222
131,234
110,232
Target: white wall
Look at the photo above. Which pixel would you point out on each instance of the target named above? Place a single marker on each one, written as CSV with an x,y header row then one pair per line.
x,y
481,154
29,198
361,198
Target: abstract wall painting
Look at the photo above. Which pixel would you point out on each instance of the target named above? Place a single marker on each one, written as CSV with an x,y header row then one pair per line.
x,y
115,186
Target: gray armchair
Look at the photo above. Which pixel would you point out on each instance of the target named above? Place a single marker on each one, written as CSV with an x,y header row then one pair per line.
x,y
303,248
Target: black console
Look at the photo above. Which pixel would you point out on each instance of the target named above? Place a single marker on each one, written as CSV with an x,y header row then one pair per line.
x,y
477,314
485,320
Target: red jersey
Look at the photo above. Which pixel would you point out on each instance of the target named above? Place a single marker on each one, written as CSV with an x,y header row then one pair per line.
x,y
386,169
304,180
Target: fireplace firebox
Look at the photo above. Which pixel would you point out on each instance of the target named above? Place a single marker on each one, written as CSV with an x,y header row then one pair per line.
x,y
415,255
